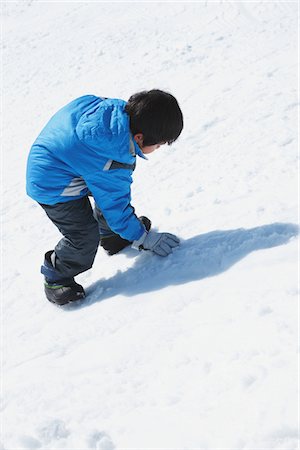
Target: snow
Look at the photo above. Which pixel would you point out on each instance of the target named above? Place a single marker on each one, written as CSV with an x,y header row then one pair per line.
x,y
198,350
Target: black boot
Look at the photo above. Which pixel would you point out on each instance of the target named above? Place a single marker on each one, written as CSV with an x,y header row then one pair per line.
x,y
114,243
61,294
59,290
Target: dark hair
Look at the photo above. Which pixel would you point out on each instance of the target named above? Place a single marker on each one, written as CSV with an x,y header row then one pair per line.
x,y
155,114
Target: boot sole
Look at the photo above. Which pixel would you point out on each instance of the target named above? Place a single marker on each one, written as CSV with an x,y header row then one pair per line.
x,y
65,301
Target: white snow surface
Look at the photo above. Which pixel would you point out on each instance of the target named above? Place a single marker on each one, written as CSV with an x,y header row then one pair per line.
x,y
198,350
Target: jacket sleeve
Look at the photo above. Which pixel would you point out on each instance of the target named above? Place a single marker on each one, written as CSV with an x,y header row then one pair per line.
x,y
112,193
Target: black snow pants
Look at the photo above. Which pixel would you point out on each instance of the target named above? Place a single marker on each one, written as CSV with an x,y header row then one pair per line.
x,y
76,251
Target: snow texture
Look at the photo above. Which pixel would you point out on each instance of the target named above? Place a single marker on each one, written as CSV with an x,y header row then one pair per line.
x,y
198,350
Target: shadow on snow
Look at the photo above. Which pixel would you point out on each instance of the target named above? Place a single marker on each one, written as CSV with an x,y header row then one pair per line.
x,y
199,257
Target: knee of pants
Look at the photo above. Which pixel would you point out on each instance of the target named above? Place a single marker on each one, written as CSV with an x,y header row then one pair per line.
x,y
79,254
84,242
94,235
91,241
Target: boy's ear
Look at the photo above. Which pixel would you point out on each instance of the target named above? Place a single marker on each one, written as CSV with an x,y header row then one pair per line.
x,y
139,139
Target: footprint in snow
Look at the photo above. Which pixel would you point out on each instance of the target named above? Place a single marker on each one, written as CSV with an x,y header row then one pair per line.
x,y
52,430
100,440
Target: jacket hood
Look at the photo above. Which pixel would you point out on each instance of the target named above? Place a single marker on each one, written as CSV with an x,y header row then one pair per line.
x,y
105,128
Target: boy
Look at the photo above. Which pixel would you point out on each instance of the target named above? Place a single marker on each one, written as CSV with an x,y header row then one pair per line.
x,y
89,147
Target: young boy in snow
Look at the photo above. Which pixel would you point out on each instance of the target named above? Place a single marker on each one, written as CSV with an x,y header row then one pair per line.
x,y
89,148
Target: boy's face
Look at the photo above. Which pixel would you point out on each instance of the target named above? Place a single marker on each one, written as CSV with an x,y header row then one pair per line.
x,y
148,148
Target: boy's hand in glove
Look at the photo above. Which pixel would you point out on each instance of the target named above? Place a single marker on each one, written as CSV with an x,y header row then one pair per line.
x,y
159,243
112,242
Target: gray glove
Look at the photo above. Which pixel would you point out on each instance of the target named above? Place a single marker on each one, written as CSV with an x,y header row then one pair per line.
x,y
159,243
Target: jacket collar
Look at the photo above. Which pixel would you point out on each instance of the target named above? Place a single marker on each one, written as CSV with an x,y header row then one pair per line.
x,y
135,149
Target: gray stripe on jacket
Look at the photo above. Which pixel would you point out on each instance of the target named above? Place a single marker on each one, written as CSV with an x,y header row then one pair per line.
x,y
74,188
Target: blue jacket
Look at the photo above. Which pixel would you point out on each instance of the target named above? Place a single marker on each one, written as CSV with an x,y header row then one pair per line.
x,y
87,147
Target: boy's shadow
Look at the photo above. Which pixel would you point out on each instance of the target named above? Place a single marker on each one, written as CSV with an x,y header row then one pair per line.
x,y
199,257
